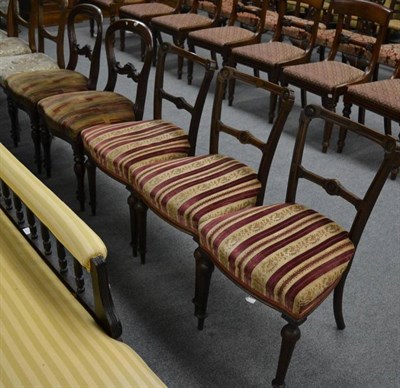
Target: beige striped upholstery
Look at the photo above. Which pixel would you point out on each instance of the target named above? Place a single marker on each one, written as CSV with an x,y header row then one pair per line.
x,y
66,226
286,254
47,338
13,46
121,148
187,189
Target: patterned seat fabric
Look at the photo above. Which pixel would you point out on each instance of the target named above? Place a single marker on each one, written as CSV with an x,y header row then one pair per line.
x,y
180,22
3,35
271,20
70,113
13,46
120,148
187,189
24,63
389,54
286,254
146,9
325,74
221,36
385,93
30,88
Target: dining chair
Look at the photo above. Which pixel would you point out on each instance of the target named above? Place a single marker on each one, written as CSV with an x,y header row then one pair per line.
x,y
66,115
25,90
330,78
118,149
289,256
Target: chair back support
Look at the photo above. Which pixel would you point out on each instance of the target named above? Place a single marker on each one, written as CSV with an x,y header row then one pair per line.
x,y
115,68
367,13
396,73
245,137
45,33
364,205
161,94
213,7
93,13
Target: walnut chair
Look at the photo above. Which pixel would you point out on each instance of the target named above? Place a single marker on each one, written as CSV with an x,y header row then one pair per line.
x,y
381,97
25,90
330,78
24,63
11,44
180,25
271,57
223,39
181,191
66,115
118,149
289,256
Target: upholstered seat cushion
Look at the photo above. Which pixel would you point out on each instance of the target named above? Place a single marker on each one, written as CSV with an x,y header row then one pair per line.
x,y
270,53
324,75
389,54
120,148
221,36
70,113
385,94
13,46
184,190
286,254
271,20
181,22
29,88
142,10
3,35
24,63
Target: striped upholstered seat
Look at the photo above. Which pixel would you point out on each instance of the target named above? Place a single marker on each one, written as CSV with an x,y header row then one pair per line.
x,y
288,255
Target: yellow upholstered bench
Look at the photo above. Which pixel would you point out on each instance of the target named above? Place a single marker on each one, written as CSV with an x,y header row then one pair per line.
x,y
47,335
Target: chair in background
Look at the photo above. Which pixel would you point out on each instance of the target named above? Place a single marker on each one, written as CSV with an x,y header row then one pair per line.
x,y
66,115
180,25
118,149
25,90
10,43
394,23
271,57
286,255
330,78
381,97
181,191
223,39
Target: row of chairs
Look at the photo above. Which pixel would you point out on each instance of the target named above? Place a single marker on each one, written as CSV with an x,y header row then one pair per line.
x,y
288,256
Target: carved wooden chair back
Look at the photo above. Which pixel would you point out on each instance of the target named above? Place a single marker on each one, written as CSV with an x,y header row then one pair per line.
x,y
15,20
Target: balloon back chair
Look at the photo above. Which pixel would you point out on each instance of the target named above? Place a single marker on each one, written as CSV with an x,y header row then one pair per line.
x,y
271,57
23,63
66,115
181,191
118,149
10,43
330,78
287,255
25,90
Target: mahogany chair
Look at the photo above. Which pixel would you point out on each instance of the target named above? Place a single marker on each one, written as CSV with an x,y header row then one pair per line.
x,y
289,256
381,97
24,63
181,191
118,149
11,43
180,25
66,115
223,39
271,57
25,90
330,78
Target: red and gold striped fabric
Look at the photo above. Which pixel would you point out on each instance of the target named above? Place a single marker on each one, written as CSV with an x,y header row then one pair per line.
x,y
70,113
121,148
31,87
288,255
187,189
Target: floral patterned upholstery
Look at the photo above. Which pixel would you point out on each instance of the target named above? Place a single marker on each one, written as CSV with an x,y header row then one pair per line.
x,y
180,22
24,63
121,148
288,255
390,54
140,11
31,87
70,113
13,46
221,36
187,189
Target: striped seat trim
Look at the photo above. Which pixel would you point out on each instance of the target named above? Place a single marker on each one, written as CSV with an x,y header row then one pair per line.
x,y
187,189
70,113
288,255
121,148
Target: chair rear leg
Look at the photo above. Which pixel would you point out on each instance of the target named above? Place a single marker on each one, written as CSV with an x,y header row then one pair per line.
x,y
91,172
141,216
79,169
338,303
46,138
343,131
13,113
35,134
327,103
133,221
